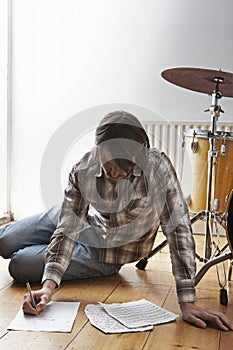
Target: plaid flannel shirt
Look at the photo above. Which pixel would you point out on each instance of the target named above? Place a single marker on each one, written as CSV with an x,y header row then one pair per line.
x,y
125,218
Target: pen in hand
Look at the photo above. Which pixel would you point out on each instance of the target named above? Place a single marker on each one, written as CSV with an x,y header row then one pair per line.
x,y
30,293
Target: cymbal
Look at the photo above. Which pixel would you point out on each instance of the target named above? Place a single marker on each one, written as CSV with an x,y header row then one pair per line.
x,y
200,79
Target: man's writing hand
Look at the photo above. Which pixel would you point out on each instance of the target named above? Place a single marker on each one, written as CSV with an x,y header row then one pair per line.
x,y
202,317
42,297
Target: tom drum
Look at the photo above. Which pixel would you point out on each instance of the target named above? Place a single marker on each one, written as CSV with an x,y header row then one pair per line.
x,y
197,143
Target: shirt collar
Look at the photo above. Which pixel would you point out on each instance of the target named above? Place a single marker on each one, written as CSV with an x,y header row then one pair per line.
x,y
137,171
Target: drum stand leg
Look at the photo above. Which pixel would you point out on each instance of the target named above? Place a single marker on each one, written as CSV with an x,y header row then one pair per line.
x,y
230,263
210,263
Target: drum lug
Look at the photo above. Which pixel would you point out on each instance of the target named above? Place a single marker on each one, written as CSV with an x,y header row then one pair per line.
x,y
223,149
194,146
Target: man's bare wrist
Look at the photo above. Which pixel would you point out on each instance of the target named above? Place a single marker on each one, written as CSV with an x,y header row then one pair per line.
x,y
185,305
50,284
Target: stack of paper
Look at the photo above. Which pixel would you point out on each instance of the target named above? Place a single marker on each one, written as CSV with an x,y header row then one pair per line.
x,y
134,316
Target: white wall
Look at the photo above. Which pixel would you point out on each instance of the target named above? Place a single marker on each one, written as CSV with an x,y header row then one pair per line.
x,y
69,56
4,122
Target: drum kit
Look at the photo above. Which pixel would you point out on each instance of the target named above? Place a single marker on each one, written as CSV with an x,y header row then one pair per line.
x,y
210,153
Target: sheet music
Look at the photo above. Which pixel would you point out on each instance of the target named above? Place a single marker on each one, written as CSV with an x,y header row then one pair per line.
x,y
57,317
100,319
134,316
139,313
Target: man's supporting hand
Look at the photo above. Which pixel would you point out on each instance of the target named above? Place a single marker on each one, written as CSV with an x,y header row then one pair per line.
x,y
202,317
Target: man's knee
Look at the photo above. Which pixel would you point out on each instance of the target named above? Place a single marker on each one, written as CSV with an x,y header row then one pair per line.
x,y
5,249
25,266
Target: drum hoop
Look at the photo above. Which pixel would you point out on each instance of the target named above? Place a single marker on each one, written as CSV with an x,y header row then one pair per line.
x,y
201,133
229,223
224,135
197,133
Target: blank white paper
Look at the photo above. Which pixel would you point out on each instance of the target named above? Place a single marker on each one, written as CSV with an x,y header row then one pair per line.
x,y
57,317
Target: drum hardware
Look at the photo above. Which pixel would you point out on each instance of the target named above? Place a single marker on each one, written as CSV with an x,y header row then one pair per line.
x,y
223,298
194,147
223,150
194,144
214,109
216,84
223,254
217,260
223,147
215,113
213,154
183,143
216,205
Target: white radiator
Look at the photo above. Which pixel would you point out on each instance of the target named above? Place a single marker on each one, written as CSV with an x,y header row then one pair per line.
x,y
168,137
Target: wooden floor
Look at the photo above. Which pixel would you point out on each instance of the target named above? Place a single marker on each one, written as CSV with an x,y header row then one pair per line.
x,y
155,284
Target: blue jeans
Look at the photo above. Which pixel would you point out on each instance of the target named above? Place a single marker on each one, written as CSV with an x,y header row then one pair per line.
x,y
25,243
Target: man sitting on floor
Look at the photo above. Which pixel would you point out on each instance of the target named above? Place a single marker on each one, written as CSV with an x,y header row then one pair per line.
x,y
117,197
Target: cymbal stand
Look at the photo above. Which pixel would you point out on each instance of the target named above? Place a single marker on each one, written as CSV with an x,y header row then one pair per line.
x,y
215,110
211,214
208,214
